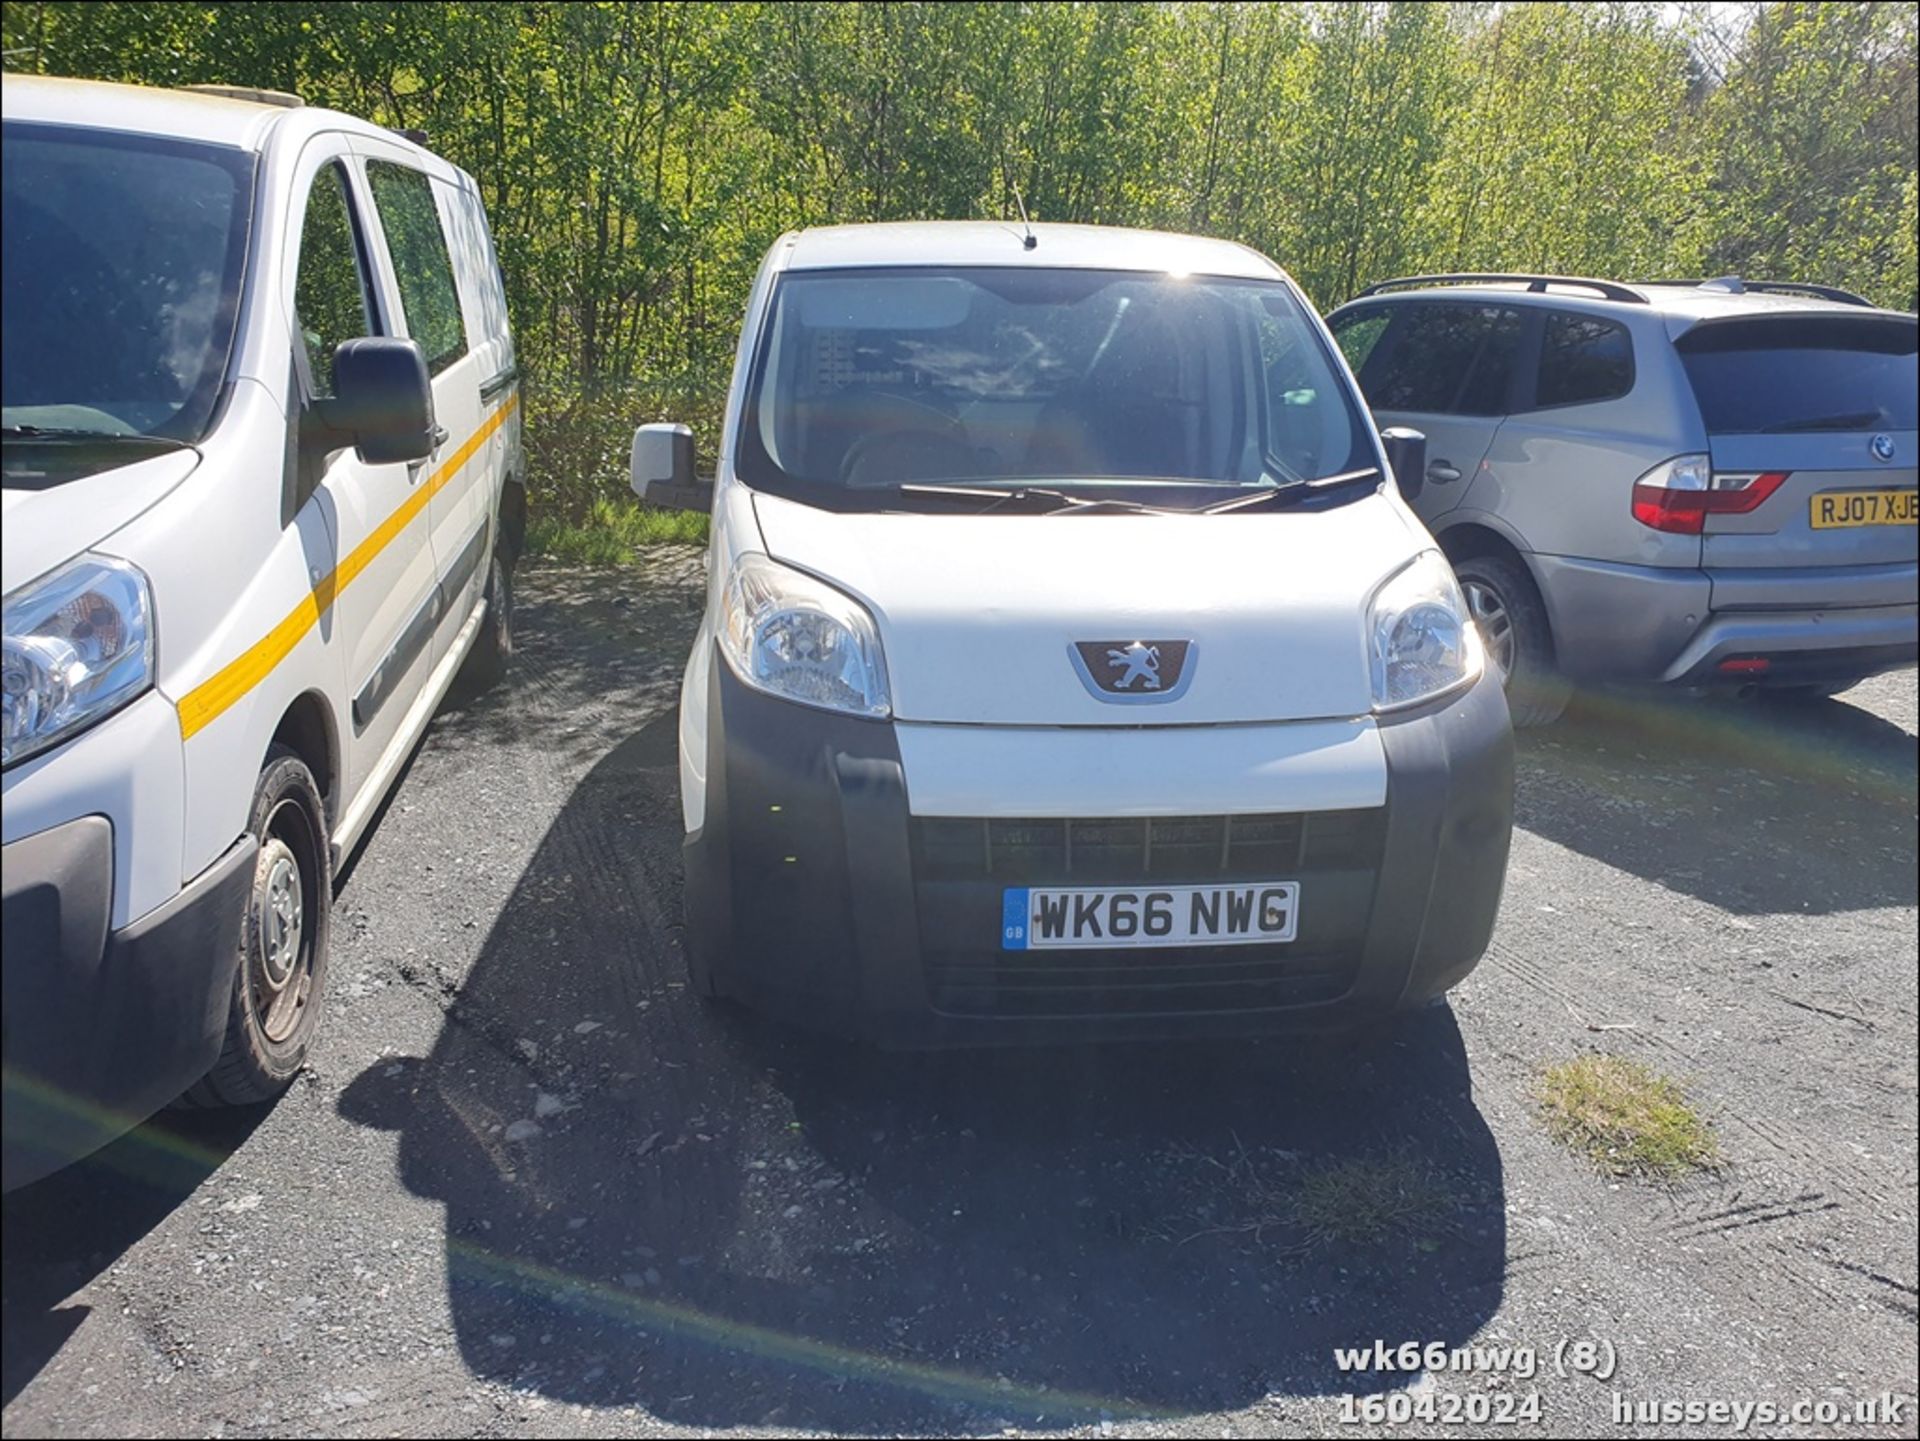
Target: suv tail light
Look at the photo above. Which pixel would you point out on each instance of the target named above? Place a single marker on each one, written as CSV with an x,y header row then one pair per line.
x,y
1678,495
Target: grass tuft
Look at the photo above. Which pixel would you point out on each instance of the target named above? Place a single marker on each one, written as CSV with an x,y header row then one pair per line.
x,y
612,531
1626,1118
1297,1206
1367,1199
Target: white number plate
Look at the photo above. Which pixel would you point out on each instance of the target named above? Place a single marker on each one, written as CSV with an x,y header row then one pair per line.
x,y
1089,917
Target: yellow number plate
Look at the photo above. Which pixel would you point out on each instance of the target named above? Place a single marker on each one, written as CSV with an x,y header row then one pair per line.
x,y
1839,509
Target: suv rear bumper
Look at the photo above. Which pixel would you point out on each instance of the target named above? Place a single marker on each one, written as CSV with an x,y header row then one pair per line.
x,y
809,893
1799,647
103,1027
1659,624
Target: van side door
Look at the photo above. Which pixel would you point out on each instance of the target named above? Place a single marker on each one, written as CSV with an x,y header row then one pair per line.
x,y
483,300
383,583
462,483
1445,368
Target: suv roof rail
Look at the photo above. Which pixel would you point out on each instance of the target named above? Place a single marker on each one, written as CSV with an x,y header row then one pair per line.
x,y
1734,285
1607,289
250,92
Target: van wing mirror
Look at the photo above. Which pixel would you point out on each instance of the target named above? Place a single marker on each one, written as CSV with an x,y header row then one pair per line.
x,y
661,467
1407,458
382,399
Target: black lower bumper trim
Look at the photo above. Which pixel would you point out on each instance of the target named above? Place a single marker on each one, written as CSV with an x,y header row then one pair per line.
x,y
807,894
101,1033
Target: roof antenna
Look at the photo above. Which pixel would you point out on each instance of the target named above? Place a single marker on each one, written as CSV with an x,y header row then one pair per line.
x,y
1031,240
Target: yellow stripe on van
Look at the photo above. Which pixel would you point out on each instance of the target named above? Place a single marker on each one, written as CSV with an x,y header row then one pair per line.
x,y
209,700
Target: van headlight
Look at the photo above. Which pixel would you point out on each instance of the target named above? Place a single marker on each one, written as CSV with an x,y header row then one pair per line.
x,y
798,638
1420,640
78,646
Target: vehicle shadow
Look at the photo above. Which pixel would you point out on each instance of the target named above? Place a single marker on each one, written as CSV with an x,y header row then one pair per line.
x,y
1757,808
727,1223
61,1232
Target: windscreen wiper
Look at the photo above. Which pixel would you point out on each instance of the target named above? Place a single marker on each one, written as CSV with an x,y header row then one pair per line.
x,y
1847,420
1066,501
1299,490
63,433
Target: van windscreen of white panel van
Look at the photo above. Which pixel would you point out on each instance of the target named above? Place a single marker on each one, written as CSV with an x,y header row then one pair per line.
x,y
1778,375
1172,389
122,258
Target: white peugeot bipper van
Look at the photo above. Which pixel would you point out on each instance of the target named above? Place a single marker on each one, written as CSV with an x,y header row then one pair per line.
x,y
1071,666
262,499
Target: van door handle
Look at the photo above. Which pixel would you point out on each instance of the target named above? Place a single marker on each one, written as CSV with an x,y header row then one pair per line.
x,y
1442,471
500,384
418,468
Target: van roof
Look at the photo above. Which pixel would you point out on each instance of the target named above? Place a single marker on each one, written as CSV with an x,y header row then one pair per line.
x,y
1000,242
194,115
146,110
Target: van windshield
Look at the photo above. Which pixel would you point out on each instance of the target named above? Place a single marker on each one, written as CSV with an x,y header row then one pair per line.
x,y
122,256
1177,389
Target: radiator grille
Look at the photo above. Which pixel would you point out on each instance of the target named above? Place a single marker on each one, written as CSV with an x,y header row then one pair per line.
x,y
1170,848
1158,982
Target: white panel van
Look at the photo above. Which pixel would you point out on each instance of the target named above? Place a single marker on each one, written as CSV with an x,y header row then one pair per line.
x,y
1072,664
263,496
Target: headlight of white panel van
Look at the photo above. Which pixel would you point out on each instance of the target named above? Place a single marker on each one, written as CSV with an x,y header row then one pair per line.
x,y
79,644
1421,641
798,638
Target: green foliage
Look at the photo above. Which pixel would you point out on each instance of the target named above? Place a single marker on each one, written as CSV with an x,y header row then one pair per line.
x,y
610,532
1561,156
1810,146
638,159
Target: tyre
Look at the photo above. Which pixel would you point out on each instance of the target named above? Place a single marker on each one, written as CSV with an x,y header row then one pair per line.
x,y
1513,624
275,1006
486,664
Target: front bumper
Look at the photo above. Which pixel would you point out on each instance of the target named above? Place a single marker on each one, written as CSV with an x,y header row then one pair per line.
x,y
104,1027
813,892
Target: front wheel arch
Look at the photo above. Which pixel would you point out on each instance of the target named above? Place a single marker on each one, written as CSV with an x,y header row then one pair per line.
x,y
510,528
1505,601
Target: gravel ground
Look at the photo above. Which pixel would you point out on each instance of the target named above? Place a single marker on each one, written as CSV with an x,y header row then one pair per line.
x,y
532,1187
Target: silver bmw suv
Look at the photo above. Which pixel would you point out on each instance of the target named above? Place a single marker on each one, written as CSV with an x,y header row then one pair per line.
x,y
1689,483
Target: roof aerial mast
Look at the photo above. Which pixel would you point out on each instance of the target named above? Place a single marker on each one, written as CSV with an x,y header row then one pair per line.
x,y
1031,239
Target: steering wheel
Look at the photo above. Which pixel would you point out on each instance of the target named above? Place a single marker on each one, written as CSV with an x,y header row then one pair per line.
x,y
893,456
905,439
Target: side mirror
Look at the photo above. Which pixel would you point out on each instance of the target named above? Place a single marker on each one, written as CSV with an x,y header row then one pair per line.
x,y
383,399
661,468
1406,458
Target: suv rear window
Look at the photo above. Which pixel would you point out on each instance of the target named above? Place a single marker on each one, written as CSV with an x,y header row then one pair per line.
x,y
1803,373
